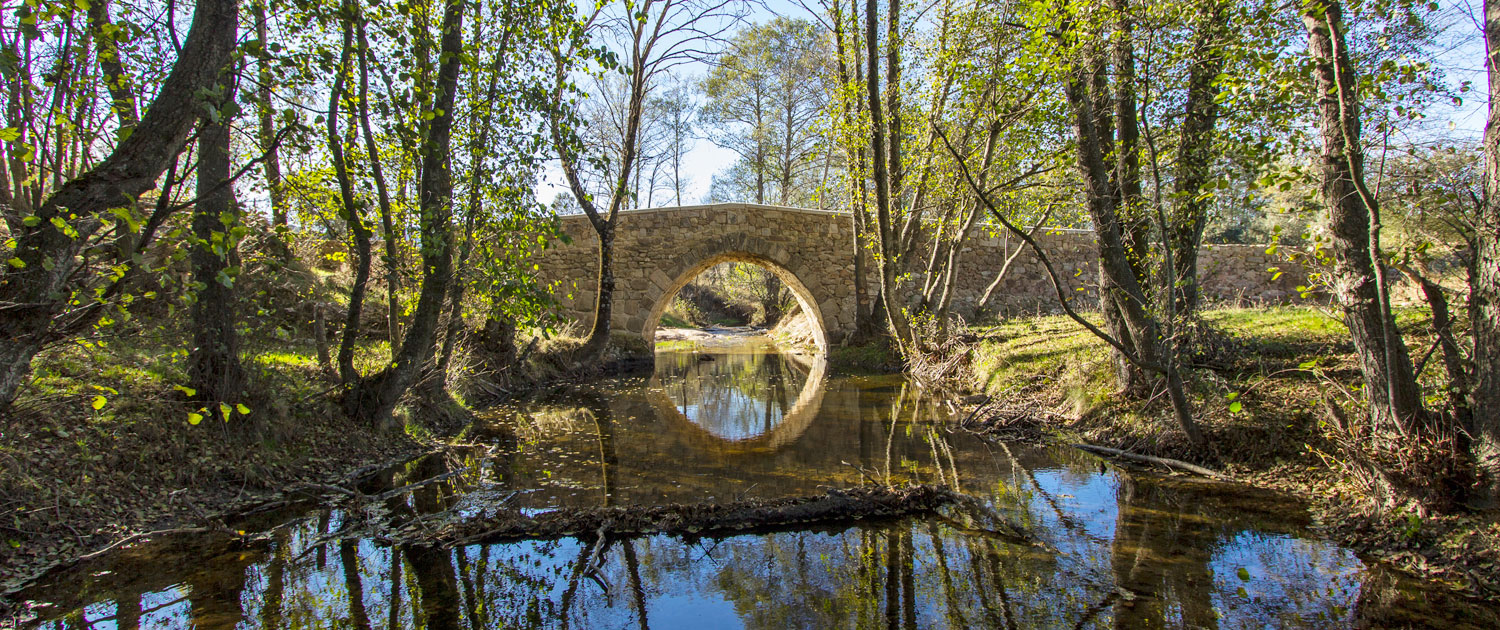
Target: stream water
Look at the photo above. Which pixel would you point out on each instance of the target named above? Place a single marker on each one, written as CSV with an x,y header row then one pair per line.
x,y
739,420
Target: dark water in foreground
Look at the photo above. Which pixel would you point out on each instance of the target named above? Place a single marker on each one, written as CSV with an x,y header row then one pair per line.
x,y
1131,550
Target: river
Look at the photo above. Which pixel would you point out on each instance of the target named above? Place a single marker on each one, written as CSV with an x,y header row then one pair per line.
x,y
742,419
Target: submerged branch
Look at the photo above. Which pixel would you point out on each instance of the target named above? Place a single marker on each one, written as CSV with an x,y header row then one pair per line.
x,y
703,519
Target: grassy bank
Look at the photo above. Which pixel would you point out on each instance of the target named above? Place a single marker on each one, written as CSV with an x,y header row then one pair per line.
x,y
1258,389
103,445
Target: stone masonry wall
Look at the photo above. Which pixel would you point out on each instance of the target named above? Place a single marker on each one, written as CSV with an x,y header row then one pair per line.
x,y
657,251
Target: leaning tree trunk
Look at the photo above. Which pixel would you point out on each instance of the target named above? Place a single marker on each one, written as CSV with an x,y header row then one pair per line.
x,y
39,285
1484,298
1120,293
372,399
1357,281
214,369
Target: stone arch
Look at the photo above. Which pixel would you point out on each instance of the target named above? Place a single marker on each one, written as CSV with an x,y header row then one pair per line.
x,y
738,247
795,423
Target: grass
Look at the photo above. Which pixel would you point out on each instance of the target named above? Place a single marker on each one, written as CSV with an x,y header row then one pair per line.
x,y
1279,364
671,320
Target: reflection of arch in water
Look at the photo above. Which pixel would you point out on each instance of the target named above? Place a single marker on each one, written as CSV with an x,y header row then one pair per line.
x,y
792,425
736,248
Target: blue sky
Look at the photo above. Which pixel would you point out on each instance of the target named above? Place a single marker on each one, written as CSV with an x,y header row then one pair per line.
x,y
1460,55
705,159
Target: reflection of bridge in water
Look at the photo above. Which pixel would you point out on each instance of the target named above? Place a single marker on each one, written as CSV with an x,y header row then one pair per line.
x,y
738,403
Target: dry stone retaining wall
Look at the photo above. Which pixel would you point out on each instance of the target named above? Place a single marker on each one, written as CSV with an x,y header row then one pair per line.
x,y
657,251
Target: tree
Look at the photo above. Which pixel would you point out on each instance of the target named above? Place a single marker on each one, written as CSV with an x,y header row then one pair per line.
x,y
47,268
656,36
373,397
677,110
765,99
214,369
1484,279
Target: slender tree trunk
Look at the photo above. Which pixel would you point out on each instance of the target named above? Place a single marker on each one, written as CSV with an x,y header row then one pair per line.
x,y
214,368
1129,206
1484,282
1195,158
41,287
1357,282
377,172
267,125
885,233
353,215
849,54
1123,299
116,80
373,398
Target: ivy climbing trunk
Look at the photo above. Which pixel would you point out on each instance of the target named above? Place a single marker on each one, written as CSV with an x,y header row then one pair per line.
x,y
1484,283
1353,224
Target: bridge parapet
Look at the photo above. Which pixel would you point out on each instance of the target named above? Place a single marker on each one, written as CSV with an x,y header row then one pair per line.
x,y
658,250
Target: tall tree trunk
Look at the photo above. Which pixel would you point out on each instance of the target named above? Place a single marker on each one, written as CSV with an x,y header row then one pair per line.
x,y
267,130
1357,280
373,398
884,193
41,286
377,172
1122,295
116,80
849,54
1195,157
214,368
1484,283
1129,206
353,215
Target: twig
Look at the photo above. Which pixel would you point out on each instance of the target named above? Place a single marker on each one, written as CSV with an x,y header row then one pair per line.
x,y
1162,461
134,537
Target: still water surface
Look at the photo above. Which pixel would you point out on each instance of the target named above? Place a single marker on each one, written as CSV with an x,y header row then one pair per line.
x,y
743,420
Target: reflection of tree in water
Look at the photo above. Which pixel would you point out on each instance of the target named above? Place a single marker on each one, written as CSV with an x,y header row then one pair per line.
x,y
736,396
1171,559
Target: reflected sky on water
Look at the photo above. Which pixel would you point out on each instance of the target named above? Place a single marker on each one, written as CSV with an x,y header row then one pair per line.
x,y
750,422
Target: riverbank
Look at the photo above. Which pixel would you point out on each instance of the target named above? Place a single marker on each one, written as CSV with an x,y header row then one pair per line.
x,y
103,447
1257,392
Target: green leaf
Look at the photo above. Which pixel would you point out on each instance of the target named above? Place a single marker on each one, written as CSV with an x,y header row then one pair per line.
x,y
240,407
17,263
225,410
31,221
1243,573
1235,407
10,134
186,391
195,418
98,402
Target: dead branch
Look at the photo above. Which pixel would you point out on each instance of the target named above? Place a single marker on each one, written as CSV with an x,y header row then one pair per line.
x,y
1160,461
703,519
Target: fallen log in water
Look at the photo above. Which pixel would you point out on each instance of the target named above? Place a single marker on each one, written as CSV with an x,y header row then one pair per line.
x,y
699,519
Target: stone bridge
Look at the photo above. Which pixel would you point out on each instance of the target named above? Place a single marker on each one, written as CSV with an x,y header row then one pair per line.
x,y
659,250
